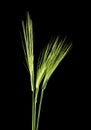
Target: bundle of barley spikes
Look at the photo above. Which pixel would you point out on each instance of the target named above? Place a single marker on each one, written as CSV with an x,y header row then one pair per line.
x,y
48,61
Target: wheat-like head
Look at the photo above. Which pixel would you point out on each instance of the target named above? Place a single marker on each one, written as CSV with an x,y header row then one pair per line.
x,y
28,48
50,59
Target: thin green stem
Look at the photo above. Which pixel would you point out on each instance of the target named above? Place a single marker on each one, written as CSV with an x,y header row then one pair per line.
x,y
39,109
32,110
34,114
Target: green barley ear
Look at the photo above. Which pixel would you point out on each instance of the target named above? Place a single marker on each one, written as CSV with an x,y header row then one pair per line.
x,y
51,57
41,66
57,54
28,48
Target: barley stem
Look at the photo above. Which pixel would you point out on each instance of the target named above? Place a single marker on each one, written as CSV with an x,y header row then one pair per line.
x,y
32,110
39,109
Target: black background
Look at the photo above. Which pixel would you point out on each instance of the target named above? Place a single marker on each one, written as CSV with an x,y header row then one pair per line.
x,y
65,103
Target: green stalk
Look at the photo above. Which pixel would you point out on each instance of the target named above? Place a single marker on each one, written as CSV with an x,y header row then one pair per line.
x,y
34,114
39,109
32,110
